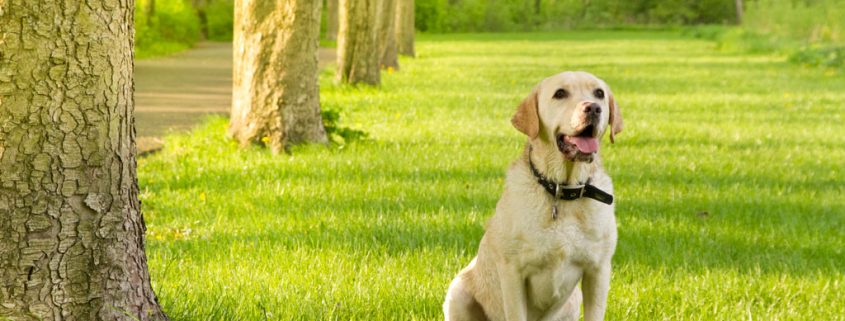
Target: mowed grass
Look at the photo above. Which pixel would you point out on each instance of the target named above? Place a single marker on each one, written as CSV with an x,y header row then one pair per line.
x,y
729,180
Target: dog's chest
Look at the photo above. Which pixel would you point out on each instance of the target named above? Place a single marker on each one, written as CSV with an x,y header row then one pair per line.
x,y
564,247
551,284
579,234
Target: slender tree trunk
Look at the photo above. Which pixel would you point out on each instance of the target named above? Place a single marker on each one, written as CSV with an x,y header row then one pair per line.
x,y
276,98
357,42
331,19
538,6
388,50
739,11
151,11
201,6
405,27
71,229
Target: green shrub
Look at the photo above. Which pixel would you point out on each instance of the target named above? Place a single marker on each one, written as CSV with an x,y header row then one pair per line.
x,y
338,134
706,32
831,57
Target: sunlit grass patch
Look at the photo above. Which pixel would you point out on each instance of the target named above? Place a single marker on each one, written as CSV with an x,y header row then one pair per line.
x,y
728,178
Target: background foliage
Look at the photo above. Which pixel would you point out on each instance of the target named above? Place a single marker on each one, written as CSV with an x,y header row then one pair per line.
x,y
522,15
175,25
810,32
220,19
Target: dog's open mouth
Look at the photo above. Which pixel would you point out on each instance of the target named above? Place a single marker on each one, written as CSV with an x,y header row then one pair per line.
x,y
581,146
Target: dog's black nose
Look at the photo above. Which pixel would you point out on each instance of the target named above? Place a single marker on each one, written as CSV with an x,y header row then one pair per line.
x,y
592,109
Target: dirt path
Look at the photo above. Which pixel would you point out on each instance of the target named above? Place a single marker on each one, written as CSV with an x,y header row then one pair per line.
x,y
174,93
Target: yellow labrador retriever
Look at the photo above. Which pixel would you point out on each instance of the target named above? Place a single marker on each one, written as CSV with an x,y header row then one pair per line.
x,y
554,224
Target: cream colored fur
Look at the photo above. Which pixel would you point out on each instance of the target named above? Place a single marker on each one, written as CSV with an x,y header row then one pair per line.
x,y
529,263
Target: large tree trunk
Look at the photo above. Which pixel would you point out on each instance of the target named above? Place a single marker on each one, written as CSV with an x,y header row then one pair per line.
x,y
405,27
276,97
71,229
331,19
388,52
357,42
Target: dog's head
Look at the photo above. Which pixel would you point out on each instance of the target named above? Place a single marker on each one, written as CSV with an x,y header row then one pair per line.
x,y
571,110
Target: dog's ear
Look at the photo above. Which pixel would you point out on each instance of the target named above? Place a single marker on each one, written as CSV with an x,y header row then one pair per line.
x,y
615,118
526,119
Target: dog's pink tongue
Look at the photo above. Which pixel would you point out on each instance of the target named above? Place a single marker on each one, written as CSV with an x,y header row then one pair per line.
x,y
586,144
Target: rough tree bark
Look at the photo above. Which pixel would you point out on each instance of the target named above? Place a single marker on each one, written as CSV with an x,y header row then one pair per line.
x,y
331,20
388,51
276,98
71,229
357,42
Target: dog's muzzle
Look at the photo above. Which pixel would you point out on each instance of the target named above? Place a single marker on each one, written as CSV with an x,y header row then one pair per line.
x,y
585,143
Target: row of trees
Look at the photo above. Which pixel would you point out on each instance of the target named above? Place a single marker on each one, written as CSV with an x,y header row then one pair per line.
x,y
71,227
276,97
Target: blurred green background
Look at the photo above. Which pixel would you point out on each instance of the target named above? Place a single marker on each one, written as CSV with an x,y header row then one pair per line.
x,y
164,27
810,32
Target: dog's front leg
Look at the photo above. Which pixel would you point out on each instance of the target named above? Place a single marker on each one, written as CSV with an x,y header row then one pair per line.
x,y
595,286
513,292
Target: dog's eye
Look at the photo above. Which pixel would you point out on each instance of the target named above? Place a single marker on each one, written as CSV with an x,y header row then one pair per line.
x,y
561,94
599,93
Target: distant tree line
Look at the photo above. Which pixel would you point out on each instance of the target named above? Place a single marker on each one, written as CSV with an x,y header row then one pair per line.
x,y
527,15
164,26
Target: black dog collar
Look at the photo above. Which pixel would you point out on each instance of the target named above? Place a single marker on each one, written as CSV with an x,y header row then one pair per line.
x,y
570,192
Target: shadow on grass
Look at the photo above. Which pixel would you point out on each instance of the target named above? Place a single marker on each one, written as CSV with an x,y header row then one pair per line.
x,y
772,236
427,209
433,221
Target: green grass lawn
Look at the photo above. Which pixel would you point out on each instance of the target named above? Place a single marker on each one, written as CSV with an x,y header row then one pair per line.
x,y
729,179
